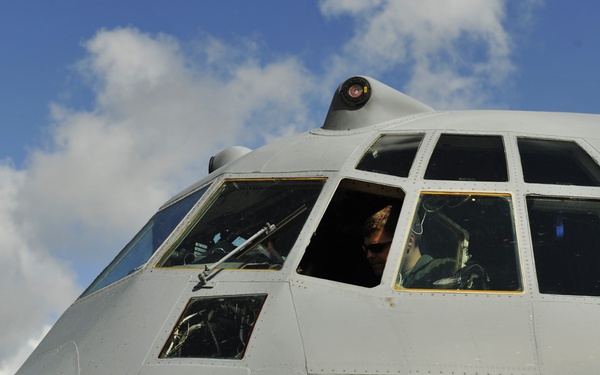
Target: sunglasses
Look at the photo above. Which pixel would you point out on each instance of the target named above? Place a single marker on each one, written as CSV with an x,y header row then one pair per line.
x,y
376,248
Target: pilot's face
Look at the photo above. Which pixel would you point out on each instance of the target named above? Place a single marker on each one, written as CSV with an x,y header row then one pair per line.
x,y
377,247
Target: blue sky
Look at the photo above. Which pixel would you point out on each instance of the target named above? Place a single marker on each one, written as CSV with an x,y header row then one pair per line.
x,y
109,108
555,50
557,59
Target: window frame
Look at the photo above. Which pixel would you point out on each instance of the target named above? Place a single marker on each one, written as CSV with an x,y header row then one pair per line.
x,y
518,270
207,205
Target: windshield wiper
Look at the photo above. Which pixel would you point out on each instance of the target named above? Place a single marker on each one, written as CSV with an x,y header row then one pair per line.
x,y
265,231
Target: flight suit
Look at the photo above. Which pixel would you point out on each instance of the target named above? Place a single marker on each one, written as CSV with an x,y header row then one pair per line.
x,y
427,270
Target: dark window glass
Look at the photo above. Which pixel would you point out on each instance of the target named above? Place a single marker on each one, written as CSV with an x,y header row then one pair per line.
x,y
214,327
391,154
336,250
145,243
461,242
468,158
565,234
230,232
557,162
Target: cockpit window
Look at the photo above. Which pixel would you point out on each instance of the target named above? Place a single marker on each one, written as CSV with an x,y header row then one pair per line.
x,y
468,158
214,327
145,243
557,162
565,235
461,242
391,154
336,251
257,220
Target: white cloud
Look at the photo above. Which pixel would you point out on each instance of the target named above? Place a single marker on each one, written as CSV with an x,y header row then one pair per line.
x,y
332,8
455,51
36,287
156,121
11,364
156,124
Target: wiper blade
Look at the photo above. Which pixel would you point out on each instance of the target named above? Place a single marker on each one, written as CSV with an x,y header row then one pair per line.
x,y
265,231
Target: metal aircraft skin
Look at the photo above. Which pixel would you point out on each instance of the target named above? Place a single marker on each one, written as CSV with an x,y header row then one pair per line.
x,y
259,267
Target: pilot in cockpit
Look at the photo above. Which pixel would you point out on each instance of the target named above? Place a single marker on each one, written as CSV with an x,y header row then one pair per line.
x,y
421,270
417,270
378,233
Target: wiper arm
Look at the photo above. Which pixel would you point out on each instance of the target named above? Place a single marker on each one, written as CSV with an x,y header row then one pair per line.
x,y
280,225
208,271
267,230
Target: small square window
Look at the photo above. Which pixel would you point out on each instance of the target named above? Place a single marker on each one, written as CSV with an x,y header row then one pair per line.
x,y
468,158
214,327
557,162
391,154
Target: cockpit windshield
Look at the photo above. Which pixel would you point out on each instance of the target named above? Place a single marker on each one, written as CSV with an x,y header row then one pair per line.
x,y
137,252
259,220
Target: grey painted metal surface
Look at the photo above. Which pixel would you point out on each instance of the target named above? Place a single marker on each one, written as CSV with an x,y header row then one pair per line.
x,y
312,324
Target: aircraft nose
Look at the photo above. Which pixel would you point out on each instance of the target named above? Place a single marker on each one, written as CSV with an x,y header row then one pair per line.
x,y
63,360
